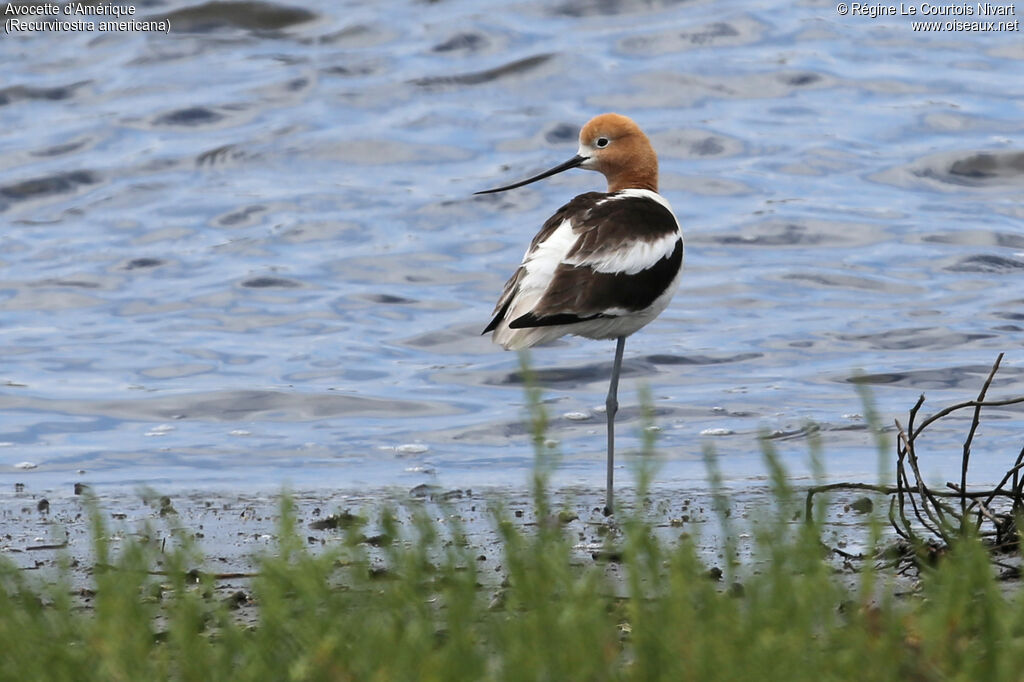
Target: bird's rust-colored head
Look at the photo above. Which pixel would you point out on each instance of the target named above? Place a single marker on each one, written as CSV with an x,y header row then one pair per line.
x,y
613,145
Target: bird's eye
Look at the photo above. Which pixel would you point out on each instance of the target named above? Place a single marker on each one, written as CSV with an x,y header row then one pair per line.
x,y
602,142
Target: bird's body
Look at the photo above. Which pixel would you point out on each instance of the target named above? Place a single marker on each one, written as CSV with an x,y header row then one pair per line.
x,y
602,267
605,264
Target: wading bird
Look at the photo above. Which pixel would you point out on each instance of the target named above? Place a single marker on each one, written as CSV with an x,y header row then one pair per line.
x,y
605,264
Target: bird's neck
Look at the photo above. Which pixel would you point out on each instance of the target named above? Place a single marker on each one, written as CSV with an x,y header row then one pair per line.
x,y
651,185
638,177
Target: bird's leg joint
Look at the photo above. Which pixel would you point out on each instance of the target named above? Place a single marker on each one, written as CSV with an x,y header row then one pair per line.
x,y
611,405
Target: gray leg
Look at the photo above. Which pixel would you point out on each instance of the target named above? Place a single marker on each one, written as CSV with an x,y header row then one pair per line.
x,y
611,405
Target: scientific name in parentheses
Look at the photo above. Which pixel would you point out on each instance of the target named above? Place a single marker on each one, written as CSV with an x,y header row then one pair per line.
x,y
981,9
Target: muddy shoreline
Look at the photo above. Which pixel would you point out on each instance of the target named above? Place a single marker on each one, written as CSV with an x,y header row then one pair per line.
x,y
233,530
42,530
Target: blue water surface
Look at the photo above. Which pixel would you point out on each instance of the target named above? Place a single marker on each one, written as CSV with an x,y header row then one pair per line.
x,y
246,253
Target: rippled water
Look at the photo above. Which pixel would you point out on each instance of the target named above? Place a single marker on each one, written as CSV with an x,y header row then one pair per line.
x,y
247,252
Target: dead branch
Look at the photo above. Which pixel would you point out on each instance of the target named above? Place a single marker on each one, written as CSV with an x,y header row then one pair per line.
x,y
914,505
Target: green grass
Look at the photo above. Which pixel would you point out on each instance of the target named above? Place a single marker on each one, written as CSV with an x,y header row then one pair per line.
x,y
416,608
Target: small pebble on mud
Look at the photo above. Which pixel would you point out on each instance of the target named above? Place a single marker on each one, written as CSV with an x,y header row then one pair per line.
x,y
340,520
862,505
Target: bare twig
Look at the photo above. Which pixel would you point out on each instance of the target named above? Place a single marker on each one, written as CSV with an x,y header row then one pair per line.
x,y
893,490
968,403
929,503
1014,472
903,481
970,434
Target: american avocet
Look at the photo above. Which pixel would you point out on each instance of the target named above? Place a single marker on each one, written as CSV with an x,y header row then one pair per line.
x,y
605,264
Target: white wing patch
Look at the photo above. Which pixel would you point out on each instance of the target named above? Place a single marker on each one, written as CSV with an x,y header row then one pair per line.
x,y
630,258
541,261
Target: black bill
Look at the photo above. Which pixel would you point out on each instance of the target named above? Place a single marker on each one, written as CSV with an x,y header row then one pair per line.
x,y
574,162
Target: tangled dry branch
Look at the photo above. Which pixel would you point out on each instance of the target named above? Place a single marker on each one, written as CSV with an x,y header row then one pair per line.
x,y
915,508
